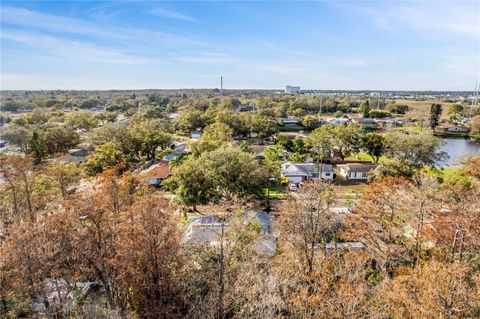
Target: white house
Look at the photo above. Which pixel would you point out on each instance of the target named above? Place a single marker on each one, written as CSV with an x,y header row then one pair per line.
x,y
339,121
341,210
355,171
300,172
451,128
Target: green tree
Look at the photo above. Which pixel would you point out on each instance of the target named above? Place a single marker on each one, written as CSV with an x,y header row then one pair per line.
x,y
189,120
260,124
214,136
435,113
413,151
285,142
245,147
36,146
119,134
18,136
373,144
59,139
297,158
81,120
321,144
455,109
106,117
299,145
190,183
62,176
309,122
148,136
232,120
234,174
105,156
231,103
347,138
365,108
273,156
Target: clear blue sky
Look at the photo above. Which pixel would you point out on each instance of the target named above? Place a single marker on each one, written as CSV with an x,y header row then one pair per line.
x,y
396,45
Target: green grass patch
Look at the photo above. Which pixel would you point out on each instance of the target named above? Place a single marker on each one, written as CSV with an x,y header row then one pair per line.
x,y
350,192
291,128
444,173
365,157
275,192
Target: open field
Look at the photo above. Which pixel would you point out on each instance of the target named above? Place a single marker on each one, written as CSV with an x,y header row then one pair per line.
x,y
422,108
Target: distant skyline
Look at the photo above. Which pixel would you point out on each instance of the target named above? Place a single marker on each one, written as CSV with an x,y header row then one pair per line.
x,y
339,45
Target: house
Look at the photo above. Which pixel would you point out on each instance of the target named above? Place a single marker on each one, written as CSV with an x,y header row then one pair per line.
x,y
207,231
365,122
157,173
172,116
398,122
341,210
180,147
289,122
300,172
339,121
204,230
355,171
123,122
321,121
196,135
444,128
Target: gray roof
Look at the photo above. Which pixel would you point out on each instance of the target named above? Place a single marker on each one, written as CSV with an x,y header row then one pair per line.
x,y
304,169
358,167
366,121
205,230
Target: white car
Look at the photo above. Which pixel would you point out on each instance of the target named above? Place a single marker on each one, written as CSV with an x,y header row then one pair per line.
x,y
293,187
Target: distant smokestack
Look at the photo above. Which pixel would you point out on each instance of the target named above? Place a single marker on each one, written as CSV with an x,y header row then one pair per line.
x,y
221,85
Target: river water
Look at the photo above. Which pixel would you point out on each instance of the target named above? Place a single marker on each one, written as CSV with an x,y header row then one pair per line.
x,y
458,147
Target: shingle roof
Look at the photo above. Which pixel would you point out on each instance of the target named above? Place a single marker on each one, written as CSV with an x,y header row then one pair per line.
x,y
160,170
358,167
304,169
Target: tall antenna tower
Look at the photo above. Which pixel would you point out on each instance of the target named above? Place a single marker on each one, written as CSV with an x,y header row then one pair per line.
x,y
475,94
221,85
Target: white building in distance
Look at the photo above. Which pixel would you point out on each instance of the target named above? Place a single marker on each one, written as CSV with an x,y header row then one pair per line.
x,y
292,89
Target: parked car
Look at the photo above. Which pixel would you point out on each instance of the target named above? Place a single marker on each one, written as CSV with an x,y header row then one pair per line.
x,y
293,187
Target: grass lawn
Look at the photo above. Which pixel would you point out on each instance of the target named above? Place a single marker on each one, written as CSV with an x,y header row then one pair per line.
x,y
350,194
291,128
411,129
365,157
275,192
446,173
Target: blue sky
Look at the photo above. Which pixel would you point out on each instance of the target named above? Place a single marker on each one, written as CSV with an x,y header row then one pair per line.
x,y
398,45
